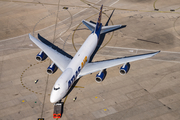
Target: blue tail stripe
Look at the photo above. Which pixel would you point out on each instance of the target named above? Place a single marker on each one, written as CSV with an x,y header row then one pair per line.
x,y
98,29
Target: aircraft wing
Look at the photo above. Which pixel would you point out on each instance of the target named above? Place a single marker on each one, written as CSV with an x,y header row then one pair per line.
x,y
59,59
97,66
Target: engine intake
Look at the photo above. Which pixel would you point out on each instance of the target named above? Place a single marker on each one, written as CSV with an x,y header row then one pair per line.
x,y
41,56
100,76
124,69
51,69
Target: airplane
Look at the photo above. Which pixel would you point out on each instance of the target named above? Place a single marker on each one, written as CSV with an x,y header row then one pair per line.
x,y
80,65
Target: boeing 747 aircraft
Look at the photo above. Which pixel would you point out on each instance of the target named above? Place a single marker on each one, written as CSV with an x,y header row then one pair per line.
x,y
80,64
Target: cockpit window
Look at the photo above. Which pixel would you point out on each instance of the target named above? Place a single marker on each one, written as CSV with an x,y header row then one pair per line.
x,y
56,88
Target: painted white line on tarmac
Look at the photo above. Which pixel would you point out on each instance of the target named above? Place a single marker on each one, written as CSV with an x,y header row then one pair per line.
x,y
12,38
97,1
129,48
104,55
77,24
164,60
143,59
63,20
46,27
141,49
43,28
114,3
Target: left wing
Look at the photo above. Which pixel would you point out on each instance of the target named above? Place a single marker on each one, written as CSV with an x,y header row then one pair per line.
x,y
59,59
97,66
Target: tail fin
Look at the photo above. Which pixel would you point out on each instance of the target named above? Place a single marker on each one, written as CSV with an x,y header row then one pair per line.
x,y
100,14
99,24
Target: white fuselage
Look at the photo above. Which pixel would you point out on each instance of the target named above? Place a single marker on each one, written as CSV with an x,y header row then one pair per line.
x,y
71,73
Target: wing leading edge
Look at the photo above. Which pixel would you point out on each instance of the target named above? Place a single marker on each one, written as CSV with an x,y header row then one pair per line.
x,y
97,66
59,59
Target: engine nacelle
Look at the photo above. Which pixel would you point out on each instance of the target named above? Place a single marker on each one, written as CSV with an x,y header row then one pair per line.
x,y
124,69
100,76
41,56
51,69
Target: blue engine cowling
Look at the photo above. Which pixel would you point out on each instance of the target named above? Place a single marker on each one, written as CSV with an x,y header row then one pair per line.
x,y
41,56
124,69
51,69
100,76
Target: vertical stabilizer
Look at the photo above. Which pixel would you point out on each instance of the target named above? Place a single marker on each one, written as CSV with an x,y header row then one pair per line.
x,y
99,24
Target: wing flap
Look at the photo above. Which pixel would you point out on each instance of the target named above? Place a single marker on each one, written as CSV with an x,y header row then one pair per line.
x,y
59,59
97,66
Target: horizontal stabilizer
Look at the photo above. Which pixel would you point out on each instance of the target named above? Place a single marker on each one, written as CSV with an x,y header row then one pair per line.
x,y
106,29
90,25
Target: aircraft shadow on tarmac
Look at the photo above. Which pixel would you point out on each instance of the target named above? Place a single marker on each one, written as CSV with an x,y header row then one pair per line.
x,y
148,41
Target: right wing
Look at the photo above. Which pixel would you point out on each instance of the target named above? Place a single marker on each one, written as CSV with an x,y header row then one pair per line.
x,y
59,59
97,66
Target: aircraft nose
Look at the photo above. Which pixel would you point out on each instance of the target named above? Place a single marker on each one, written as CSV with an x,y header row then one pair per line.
x,y
56,96
53,99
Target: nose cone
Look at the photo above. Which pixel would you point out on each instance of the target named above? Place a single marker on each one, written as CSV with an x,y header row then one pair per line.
x,y
54,97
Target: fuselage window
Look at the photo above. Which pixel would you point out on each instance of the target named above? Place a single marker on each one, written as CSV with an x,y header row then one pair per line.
x,y
57,88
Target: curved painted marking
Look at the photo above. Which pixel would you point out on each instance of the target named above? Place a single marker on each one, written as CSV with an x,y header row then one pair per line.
x,y
23,74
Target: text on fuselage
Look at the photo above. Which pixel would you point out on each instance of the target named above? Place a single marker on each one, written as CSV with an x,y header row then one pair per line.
x,y
84,61
77,72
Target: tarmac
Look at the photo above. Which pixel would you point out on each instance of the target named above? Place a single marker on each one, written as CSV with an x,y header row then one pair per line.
x,y
149,91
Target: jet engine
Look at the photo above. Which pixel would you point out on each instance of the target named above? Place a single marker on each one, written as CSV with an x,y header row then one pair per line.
x,y
41,56
51,69
124,69
100,76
